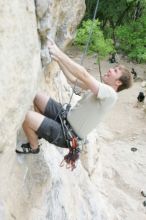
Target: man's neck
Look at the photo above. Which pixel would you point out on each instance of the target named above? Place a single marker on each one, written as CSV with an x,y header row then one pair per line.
x,y
114,87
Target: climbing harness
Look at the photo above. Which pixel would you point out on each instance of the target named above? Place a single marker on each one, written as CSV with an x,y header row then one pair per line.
x,y
72,140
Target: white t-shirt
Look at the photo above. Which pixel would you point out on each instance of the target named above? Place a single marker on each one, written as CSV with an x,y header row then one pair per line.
x,y
90,109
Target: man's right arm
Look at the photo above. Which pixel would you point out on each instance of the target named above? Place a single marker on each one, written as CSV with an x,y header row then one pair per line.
x,y
71,78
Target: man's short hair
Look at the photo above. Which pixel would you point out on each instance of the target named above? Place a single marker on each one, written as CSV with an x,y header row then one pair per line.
x,y
126,78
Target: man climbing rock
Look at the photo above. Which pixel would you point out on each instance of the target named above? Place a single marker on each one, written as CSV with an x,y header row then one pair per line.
x,y
80,120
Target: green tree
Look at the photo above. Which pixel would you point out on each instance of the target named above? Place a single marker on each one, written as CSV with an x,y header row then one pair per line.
x,y
90,7
122,21
114,13
132,39
98,43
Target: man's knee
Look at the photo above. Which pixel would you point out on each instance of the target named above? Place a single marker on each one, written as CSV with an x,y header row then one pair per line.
x,y
41,100
33,119
29,115
37,97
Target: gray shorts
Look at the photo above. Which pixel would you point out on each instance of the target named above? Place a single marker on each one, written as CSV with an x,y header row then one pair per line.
x,y
51,129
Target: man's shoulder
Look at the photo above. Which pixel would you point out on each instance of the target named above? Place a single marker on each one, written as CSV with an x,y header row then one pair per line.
x,y
106,91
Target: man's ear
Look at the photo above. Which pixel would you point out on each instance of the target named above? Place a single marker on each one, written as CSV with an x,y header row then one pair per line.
x,y
118,82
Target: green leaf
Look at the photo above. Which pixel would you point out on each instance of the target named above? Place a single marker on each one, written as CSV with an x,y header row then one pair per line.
x,y
98,43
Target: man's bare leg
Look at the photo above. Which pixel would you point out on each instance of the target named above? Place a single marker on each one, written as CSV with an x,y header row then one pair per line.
x,y
31,124
40,102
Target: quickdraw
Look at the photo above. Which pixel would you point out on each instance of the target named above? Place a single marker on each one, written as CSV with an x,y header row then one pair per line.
x,y
74,142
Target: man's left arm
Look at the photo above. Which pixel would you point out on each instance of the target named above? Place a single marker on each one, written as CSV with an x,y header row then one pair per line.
x,y
75,69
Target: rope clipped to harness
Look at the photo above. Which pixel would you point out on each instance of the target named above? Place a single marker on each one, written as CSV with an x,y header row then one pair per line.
x,y
72,141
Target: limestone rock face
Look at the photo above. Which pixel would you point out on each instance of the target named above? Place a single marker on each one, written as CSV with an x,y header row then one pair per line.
x,y
58,19
20,65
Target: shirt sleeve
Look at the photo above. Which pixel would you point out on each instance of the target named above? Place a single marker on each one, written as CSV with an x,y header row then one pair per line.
x,y
106,91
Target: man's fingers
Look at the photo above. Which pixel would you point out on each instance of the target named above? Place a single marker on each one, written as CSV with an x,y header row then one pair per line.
x,y
54,57
53,49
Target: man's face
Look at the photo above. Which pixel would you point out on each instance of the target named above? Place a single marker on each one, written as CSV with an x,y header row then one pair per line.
x,y
112,76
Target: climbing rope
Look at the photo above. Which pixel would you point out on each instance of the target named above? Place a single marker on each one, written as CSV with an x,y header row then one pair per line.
x,y
90,34
99,68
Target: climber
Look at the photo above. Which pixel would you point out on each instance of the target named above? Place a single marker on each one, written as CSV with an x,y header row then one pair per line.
x,y
113,58
81,119
141,97
134,73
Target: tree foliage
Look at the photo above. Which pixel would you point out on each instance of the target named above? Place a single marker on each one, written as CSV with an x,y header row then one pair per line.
x,y
122,21
98,43
115,12
132,39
